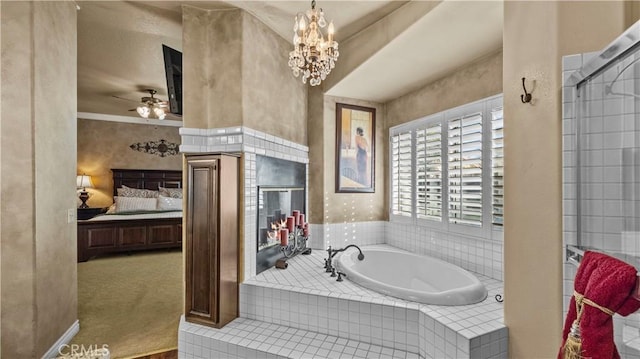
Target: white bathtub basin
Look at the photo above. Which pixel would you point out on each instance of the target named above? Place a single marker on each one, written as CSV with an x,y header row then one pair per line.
x,y
412,277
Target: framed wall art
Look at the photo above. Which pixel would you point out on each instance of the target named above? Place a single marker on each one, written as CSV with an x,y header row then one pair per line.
x,y
355,148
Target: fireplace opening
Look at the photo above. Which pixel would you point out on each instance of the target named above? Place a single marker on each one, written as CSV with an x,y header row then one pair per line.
x,y
281,192
274,206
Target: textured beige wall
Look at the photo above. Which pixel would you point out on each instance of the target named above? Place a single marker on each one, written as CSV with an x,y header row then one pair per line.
x,y
533,160
18,182
55,112
476,81
235,73
212,67
358,207
317,163
0,189
38,174
273,100
103,145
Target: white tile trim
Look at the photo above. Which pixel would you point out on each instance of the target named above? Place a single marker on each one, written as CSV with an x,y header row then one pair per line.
x,y
54,351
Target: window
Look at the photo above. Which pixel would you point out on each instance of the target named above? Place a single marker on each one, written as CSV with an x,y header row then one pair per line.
x,y
401,174
465,170
447,168
497,163
429,172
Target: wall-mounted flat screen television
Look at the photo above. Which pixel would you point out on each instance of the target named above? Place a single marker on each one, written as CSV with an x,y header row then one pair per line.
x,y
173,72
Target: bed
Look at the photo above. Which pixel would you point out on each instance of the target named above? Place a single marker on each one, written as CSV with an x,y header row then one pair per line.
x,y
129,232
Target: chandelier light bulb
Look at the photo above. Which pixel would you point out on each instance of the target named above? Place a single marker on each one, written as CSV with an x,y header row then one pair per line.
x,y
303,24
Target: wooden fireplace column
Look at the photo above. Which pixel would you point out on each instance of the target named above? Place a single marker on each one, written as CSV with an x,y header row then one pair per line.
x,y
212,239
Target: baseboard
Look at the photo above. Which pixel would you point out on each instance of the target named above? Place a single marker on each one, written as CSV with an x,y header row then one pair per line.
x,y
64,339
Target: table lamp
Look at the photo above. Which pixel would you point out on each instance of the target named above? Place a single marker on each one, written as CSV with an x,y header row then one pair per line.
x,y
84,182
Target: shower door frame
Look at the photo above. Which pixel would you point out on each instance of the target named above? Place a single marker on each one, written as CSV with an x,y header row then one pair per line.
x,y
627,42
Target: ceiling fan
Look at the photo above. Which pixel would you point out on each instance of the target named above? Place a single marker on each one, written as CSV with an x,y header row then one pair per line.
x,y
150,106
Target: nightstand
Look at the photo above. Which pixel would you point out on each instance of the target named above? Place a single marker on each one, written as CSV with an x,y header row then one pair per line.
x,y
88,213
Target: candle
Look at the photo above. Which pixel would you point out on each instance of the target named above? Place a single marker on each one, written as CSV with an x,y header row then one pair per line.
x,y
264,235
290,223
284,237
302,222
296,215
331,31
305,230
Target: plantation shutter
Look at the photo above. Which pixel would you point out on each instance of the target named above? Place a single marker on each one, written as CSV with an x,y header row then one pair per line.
x,y
465,170
429,172
497,166
401,174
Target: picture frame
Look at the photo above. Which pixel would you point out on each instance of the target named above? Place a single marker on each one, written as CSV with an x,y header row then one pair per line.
x,y
355,148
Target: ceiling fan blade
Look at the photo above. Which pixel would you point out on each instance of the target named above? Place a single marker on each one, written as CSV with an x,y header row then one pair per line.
x,y
133,109
126,99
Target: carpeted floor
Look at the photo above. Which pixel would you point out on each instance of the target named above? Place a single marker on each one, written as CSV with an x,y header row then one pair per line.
x,y
131,303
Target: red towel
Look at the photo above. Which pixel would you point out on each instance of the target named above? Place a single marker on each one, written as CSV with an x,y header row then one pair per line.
x,y
609,283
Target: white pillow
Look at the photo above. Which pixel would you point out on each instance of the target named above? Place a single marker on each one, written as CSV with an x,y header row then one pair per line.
x,y
133,204
170,192
169,203
112,208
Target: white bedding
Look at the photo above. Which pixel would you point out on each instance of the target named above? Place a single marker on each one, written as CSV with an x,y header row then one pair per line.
x,y
113,217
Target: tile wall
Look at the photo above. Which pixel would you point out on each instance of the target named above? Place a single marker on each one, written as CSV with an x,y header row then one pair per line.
x,y
475,253
251,143
608,173
338,235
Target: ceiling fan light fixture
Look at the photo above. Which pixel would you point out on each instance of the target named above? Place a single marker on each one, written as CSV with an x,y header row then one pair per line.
x,y
144,111
159,112
152,107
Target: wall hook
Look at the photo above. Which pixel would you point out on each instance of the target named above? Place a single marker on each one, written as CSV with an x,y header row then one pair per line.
x,y
526,98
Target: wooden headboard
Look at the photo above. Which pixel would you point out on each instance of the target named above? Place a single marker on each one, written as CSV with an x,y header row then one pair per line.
x,y
146,179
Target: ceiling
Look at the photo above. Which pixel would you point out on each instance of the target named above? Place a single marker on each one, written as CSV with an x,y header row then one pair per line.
x,y
451,35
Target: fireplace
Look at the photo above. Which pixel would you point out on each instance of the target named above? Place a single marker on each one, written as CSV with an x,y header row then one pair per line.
x,y
275,204
281,193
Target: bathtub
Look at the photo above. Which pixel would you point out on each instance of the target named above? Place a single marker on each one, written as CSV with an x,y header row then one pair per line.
x,y
410,276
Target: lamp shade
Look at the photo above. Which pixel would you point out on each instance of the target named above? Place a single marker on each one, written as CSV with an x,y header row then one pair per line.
x,y
84,181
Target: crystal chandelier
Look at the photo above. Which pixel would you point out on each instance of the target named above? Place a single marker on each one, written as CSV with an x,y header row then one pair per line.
x,y
312,55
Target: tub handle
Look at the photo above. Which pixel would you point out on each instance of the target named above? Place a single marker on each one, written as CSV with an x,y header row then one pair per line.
x,y
340,274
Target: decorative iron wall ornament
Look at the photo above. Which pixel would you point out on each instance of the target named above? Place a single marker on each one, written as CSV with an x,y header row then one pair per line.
x,y
160,148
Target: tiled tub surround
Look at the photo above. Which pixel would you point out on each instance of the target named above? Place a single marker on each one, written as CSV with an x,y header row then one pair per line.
x,y
473,253
611,125
304,297
338,235
247,338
